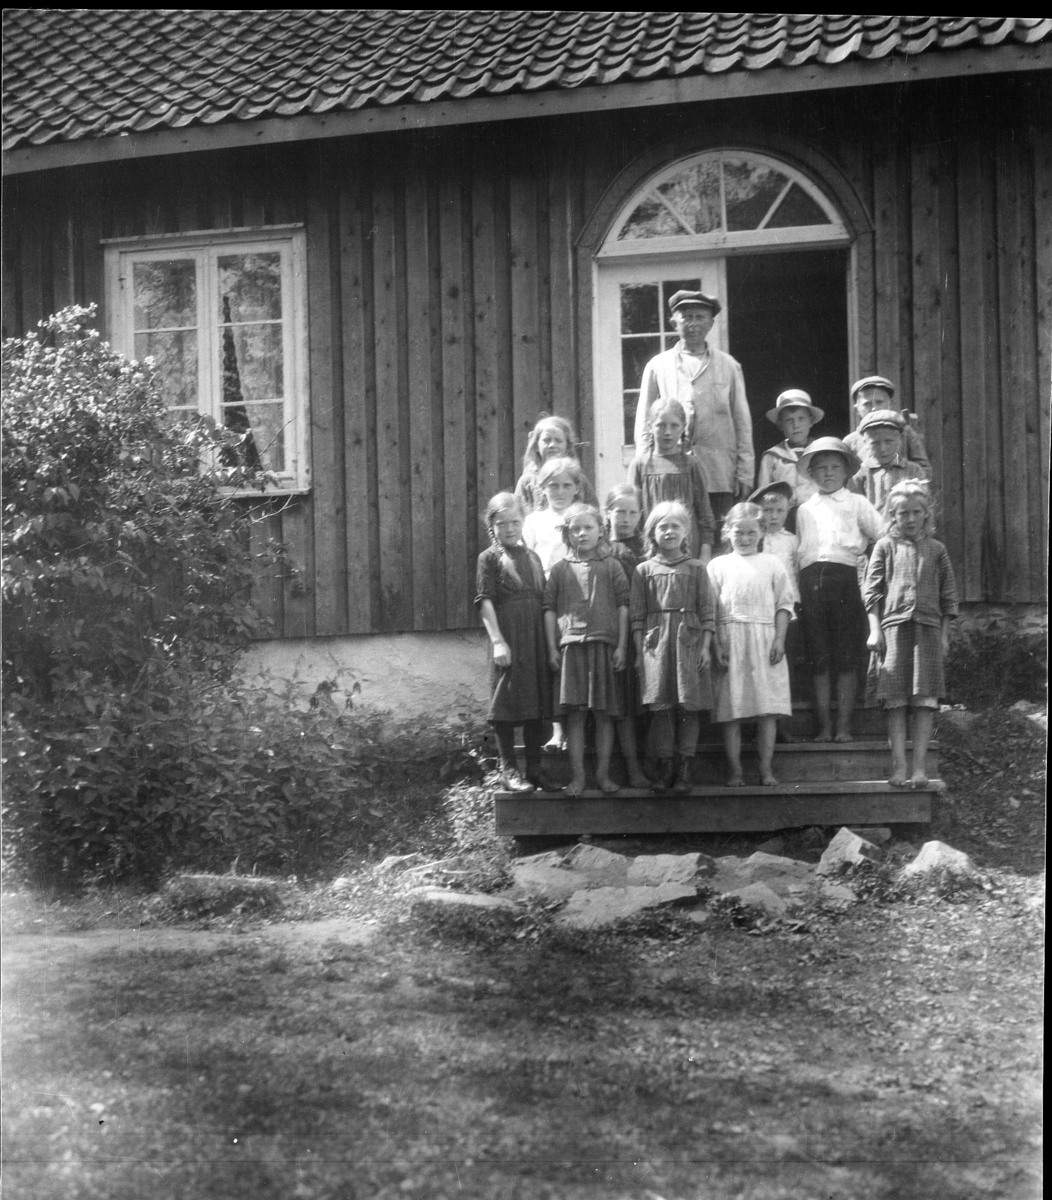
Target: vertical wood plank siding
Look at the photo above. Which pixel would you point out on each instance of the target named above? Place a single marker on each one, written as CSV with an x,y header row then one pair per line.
x,y
449,303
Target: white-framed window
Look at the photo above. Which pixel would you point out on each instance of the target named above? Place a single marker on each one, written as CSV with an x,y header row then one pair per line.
x,y
223,316
681,229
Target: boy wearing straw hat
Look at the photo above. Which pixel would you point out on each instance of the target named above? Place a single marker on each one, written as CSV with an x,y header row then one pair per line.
x,y
795,415
835,527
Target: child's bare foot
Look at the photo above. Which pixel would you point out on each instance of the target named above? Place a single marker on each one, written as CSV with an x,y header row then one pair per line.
x,y
554,745
823,735
767,779
575,788
898,779
919,779
736,780
607,786
637,779
844,735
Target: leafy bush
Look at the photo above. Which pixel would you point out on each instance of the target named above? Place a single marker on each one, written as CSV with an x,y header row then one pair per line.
x,y
130,746
996,665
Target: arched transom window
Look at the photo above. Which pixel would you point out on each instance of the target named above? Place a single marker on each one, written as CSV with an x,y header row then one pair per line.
x,y
721,201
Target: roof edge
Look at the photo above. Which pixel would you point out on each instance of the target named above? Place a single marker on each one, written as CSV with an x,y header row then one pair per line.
x,y
738,84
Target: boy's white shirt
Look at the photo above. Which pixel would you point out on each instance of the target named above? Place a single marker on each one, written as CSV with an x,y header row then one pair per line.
x,y
836,527
785,546
542,531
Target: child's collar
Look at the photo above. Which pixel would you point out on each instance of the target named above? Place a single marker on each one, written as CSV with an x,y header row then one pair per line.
x,y
671,562
840,495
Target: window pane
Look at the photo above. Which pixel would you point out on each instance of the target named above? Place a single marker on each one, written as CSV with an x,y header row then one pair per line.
x,y
165,294
262,430
797,209
252,363
635,354
649,219
751,188
250,286
695,194
631,403
639,308
175,359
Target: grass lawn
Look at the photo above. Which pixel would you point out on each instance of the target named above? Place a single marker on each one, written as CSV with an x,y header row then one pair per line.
x,y
891,1052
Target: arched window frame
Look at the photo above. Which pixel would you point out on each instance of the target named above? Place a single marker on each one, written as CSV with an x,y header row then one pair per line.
x,y
836,233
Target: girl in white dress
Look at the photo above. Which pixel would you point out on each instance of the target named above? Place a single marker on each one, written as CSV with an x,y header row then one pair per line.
x,y
754,601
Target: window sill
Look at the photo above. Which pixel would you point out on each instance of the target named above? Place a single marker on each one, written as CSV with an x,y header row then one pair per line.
x,y
263,493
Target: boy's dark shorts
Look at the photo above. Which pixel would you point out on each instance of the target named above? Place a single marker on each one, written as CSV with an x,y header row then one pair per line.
x,y
832,618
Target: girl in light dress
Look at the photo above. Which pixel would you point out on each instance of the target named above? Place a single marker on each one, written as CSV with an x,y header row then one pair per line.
x,y
510,595
672,624
754,602
562,483
910,597
586,622
552,437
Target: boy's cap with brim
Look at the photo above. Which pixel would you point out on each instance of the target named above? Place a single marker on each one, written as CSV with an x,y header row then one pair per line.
x,y
872,381
780,486
794,398
678,299
829,445
882,417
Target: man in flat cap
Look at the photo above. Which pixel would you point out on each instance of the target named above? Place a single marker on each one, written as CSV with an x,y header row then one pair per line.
x,y
709,385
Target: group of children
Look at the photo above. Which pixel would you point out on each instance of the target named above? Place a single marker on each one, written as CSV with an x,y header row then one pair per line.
x,y
632,614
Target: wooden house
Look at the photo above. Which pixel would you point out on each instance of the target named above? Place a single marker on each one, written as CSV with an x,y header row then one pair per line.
x,y
416,230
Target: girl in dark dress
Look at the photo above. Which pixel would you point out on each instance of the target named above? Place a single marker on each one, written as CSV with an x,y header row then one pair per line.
x,y
509,598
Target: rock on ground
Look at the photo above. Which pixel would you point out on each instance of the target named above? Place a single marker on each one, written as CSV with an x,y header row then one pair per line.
x,y
604,906
204,895
610,869
652,870
434,897
759,895
847,849
552,883
937,856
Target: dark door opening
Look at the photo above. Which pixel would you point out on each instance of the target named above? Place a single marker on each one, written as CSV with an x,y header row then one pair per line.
x,y
788,328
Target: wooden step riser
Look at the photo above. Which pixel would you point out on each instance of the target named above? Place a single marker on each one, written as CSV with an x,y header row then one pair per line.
x,y
792,764
528,817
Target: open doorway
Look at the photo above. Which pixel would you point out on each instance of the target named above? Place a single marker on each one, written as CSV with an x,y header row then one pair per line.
x,y
788,328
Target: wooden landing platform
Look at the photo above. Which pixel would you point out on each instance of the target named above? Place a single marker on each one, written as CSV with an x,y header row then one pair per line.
x,y
715,809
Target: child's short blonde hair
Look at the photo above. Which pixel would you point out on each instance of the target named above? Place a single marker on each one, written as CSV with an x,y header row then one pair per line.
x,y
583,510
909,489
746,511
669,508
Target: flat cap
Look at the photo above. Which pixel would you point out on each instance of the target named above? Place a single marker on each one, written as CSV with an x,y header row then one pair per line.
x,y
678,299
872,381
780,486
882,416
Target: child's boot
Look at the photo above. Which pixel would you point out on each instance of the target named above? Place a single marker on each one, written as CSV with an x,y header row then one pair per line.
x,y
660,773
538,777
512,781
684,781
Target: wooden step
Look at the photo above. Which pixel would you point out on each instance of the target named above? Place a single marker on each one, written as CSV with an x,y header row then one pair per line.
x,y
795,762
714,809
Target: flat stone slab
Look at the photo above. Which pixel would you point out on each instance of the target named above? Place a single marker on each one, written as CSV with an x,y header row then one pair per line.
x,y
554,883
608,868
442,898
599,907
652,870
836,895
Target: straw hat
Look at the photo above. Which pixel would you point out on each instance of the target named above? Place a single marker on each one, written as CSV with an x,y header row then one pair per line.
x,y
794,398
829,445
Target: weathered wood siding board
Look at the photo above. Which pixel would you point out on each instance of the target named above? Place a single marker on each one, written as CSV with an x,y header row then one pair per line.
x,y
450,302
